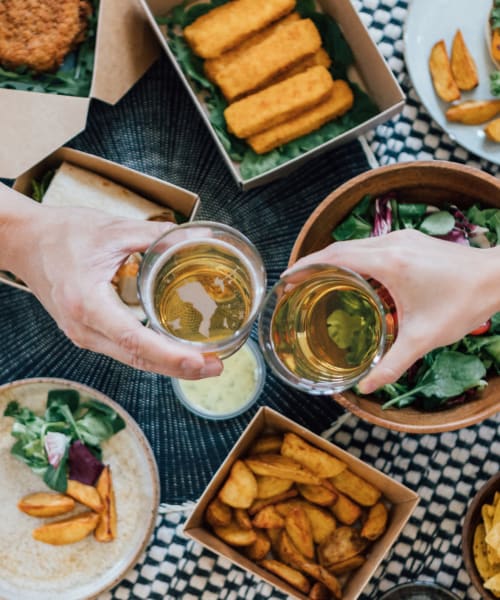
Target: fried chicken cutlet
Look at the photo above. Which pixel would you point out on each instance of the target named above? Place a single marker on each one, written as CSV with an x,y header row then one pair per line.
x,y
228,25
38,34
279,102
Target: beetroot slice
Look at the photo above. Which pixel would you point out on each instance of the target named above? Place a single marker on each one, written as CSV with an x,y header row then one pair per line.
x,y
83,465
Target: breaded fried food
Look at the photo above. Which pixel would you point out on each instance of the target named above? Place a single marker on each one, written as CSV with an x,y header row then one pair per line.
x,y
214,66
228,25
320,58
264,61
278,103
38,34
339,102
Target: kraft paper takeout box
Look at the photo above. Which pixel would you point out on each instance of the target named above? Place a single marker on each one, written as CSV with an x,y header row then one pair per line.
x,y
151,188
371,72
35,124
403,503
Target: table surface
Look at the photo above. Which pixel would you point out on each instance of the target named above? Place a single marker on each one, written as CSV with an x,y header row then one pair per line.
x,y
156,129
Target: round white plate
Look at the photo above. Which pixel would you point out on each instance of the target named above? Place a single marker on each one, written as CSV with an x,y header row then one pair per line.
x,y
31,570
431,20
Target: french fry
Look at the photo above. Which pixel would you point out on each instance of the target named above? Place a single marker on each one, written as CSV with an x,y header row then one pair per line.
x,y
67,531
218,514
281,467
346,511
342,544
107,526
298,527
267,444
241,517
85,494
317,494
268,518
376,522
319,462
473,112
463,66
234,535
271,486
46,504
288,574
356,488
240,489
492,130
260,504
442,77
260,548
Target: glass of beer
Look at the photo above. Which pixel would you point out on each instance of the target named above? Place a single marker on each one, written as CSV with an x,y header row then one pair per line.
x,y
203,284
324,327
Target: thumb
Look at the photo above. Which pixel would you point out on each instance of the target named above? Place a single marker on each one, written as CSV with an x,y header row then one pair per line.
x,y
398,359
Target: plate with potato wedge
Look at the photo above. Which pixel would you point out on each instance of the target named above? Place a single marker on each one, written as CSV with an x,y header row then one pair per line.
x,y
447,53
79,491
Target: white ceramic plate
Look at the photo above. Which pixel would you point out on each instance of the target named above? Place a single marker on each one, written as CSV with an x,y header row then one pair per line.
x,y
431,20
31,570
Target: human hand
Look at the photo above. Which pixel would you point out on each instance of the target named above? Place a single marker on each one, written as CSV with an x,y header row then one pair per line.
x,y
74,255
441,290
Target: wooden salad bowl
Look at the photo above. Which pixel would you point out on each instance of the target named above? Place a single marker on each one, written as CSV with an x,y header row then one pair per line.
x,y
439,183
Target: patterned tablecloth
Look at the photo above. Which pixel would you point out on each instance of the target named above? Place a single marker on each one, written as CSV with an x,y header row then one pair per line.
x,y
156,129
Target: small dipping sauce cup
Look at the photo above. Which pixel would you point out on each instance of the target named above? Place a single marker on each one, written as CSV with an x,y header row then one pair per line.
x,y
202,284
322,328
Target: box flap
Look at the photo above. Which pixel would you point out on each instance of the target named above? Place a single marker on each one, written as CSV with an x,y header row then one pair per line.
x,y
125,49
37,124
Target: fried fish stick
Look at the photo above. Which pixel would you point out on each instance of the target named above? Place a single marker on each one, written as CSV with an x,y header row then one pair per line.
x,y
339,102
228,25
279,102
256,68
320,58
214,66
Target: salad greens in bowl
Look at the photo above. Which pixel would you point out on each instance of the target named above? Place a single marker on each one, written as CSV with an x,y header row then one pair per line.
x,y
453,386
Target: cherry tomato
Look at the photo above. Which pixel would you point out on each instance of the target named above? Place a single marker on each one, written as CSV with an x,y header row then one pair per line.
x,y
482,329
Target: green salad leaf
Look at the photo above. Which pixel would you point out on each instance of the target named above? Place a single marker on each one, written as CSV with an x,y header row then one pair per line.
x,y
495,15
73,78
495,83
250,163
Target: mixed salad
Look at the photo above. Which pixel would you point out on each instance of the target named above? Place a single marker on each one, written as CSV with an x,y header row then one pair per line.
x,y
451,374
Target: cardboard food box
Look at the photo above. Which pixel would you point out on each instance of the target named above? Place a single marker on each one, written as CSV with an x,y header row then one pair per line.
x,y
370,71
402,502
151,188
35,124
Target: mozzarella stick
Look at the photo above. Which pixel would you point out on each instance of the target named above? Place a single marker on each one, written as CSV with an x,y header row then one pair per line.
x,y
228,25
279,102
257,67
339,102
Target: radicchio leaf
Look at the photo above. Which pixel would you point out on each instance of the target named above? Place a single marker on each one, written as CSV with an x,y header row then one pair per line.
x,y
382,223
55,444
83,465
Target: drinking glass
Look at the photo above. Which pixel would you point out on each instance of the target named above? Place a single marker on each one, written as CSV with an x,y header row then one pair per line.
x,y
203,284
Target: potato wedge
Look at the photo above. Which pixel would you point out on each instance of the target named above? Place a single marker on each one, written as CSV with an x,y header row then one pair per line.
x,y
345,510
325,577
356,488
260,504
375,524
322,521
442,77
271,486
473,112
319,592
218,514
242,518
234,535
298,527
319,462
343,567
492,130
107,527
45,504
240,488
288,552
342,544
260,548
463,67
281,467
495,45
266,444
274,535
288,574
268,518
67,531
317,494
85,494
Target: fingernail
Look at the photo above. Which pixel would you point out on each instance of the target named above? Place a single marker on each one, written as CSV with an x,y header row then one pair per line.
x,y
191,367
212,368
